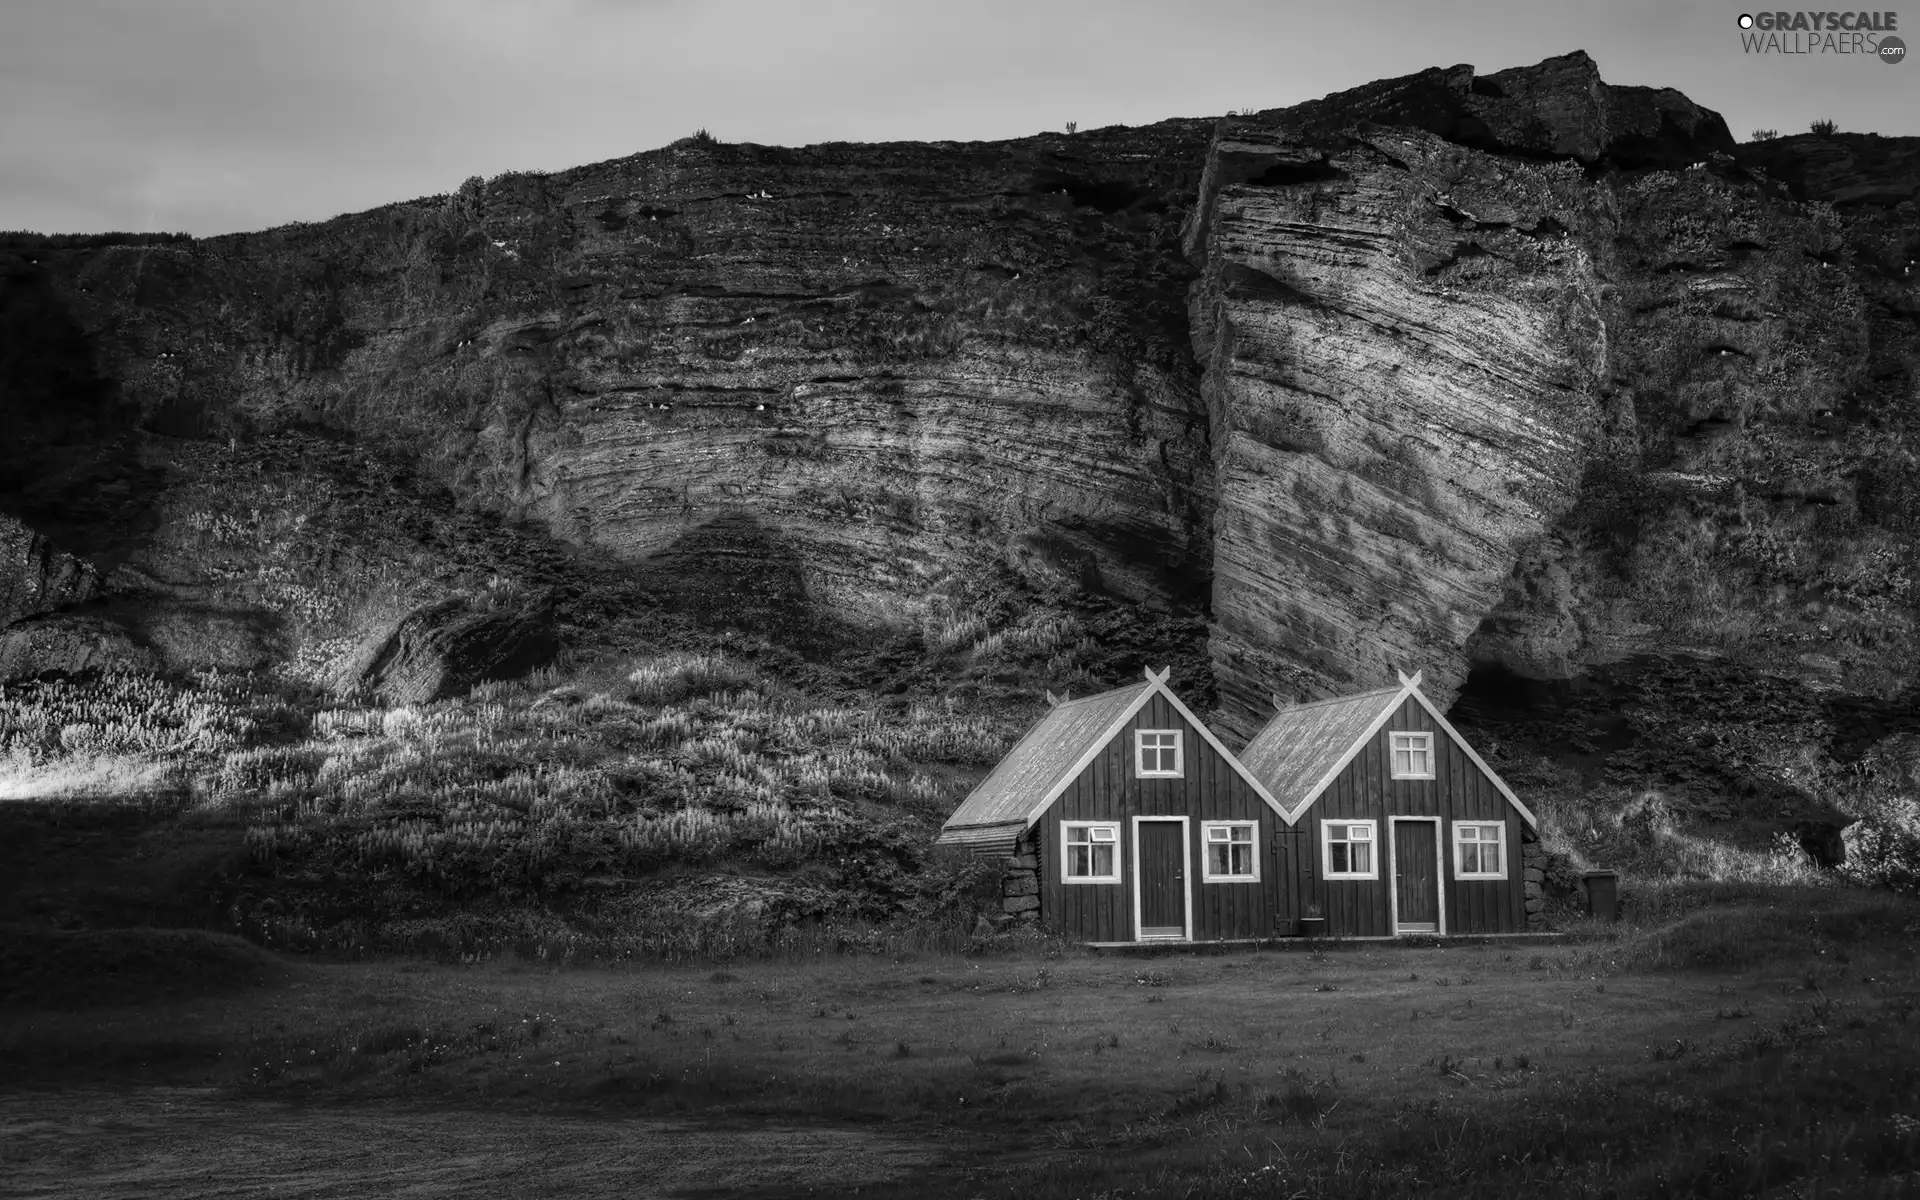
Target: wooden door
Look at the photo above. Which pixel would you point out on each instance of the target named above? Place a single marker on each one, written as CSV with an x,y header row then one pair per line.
x,y
1162,879
1416,876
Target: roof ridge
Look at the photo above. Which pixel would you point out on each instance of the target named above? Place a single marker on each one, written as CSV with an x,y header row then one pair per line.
x,y
1125,687
1337,699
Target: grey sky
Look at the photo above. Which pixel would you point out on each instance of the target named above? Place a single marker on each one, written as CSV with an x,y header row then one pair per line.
x,y
220,115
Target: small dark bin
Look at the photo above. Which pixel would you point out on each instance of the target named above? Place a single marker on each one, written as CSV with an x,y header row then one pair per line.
x,y
1313,927
1603,894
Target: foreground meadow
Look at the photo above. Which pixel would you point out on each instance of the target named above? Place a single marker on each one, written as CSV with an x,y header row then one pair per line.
x,y
1758,1045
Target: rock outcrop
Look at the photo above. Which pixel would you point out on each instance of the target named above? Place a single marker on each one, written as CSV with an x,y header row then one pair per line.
x,y
1846,170
36,577
1488,384
442,649
1556,109
69,644
1404,351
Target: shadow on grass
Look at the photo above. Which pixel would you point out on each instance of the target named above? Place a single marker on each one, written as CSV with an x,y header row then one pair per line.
x,y
44,968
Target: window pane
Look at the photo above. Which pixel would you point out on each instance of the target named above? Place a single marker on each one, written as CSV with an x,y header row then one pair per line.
x,y
1470,858
1217,863
1243,833
1078,860
1102,860
1102,834
1360,833
1490,857
1218,833
1242,858
1338,853
1362,858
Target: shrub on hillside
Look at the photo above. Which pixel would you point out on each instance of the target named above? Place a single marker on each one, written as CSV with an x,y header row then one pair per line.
x,y
1883,846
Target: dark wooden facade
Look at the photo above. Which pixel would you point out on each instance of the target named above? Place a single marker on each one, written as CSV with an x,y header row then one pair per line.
x,y
1365,789
1211,789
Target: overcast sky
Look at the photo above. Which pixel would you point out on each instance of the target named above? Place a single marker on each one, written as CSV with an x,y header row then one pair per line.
x,y
212,116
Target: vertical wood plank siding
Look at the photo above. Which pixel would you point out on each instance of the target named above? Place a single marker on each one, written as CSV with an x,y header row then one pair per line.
x,y
1211,790
1365,789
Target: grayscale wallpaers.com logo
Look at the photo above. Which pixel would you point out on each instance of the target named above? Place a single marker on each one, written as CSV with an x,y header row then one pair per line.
x,y
1869,34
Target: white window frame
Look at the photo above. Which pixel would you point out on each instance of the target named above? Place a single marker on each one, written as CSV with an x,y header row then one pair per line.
x,y
1326,849
1179,754
1460,854
1409,741
1253,851
1112,839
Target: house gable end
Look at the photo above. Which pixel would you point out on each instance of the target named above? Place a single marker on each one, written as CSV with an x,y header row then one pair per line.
x,y
1411,690
1158,686
1473,756
1094,750
1390,706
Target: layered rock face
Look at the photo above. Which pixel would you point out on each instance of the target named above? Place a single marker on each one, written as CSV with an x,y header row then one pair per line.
x,y
860,370
1521,369
1404,350
1483,370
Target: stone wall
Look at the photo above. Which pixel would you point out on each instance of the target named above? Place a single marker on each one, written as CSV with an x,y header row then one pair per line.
x,y
1020,885
1533,863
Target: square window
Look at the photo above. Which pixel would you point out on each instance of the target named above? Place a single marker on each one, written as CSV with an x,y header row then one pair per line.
x,y
1412,755
1348,850
1157,754
1091,852
1479,850
1229,847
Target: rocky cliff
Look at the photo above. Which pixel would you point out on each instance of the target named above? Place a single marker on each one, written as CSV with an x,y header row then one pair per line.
x,y
864,369
1520,369
1532,371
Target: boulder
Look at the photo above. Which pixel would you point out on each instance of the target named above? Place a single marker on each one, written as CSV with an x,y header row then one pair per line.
x,y
35,577
442,649
69,644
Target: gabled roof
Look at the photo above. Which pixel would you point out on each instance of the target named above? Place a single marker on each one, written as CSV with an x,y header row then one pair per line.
x,y
1054,752
1304,748
1302,745
1046,756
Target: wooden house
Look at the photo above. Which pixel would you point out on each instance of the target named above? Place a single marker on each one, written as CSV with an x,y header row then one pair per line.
x,y
1125,820
1394,824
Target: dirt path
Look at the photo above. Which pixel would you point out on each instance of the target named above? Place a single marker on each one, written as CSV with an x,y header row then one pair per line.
x,y
172,1142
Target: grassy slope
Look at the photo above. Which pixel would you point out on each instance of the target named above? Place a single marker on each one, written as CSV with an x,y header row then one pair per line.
x,y
688,802
660,803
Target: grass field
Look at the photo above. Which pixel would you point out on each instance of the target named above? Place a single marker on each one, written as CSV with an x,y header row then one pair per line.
x,y
1766,1040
